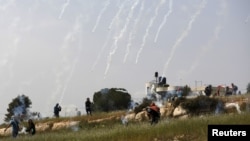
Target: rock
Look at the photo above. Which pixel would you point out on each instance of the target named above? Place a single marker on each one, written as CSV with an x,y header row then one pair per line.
x,y
141,116
179,111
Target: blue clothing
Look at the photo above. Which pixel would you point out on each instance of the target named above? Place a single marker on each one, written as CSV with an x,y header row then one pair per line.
x,y
15,127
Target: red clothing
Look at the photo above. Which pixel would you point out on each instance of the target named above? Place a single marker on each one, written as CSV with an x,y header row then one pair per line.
x,y
154,107
218,90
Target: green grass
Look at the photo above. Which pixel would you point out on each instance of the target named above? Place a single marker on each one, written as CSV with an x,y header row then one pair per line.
x,y
194,129
168,129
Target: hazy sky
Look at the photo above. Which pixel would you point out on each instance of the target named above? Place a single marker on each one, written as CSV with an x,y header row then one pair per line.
x,y
66,50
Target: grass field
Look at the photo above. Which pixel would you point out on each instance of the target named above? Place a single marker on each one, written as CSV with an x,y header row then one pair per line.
x,y
168,129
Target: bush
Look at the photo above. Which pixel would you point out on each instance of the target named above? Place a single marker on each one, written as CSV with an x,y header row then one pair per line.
x,y
111,100
145,102
201,104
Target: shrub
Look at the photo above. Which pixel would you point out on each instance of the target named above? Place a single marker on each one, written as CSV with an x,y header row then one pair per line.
x,y
201,104
145,102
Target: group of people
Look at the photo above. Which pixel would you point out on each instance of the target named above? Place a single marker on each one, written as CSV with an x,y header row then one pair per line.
x,y
14,123
232,91
88,108
228,90
153,112
31,128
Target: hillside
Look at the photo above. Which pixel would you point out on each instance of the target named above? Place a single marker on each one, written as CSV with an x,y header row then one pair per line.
x,y
108,126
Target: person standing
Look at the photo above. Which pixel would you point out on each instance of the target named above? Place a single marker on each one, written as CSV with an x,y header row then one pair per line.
x,y
57,109
234,88
218,90
208,90
88,107
15,126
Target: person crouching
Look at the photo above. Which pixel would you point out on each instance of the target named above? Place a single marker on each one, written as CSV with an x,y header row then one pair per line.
x,y
31,129
153,113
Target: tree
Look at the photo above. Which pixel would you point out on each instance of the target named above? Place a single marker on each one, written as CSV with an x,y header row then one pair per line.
x,y
248,88
111,99
186,90
18,107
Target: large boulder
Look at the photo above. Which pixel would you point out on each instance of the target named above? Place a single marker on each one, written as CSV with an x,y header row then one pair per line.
x,y
179,111
141,116
231,107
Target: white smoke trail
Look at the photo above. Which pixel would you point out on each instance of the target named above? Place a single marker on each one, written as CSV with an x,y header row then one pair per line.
x,y
222,13
183,35
100,15
77,28
115,46
68,79
147,30
64,6
165,19
65,74
132,33
117,14
247,19
102,49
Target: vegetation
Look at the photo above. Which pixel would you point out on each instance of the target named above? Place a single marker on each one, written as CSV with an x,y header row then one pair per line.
x,y
168,129
145,102
201,104
248,88
194,129
18,106
186,90
111,99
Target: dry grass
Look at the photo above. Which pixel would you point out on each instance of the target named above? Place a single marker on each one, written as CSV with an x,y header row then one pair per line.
x,y
167,129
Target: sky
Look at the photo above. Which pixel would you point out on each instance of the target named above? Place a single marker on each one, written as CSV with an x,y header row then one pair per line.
x,y
63,51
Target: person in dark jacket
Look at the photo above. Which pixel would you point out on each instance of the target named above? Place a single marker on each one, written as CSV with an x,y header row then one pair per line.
x,y
88,107
31,129
208,90
57,109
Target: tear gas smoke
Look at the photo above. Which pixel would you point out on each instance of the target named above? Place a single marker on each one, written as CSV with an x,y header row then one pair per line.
x,y
63,76
147,30
210,42
100,15
101,51
117,14
117,38
132,33
170,7
183,35
64,6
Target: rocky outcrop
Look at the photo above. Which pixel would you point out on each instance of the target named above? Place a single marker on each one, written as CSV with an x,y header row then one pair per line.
x,y
141,116
41,127
179,111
